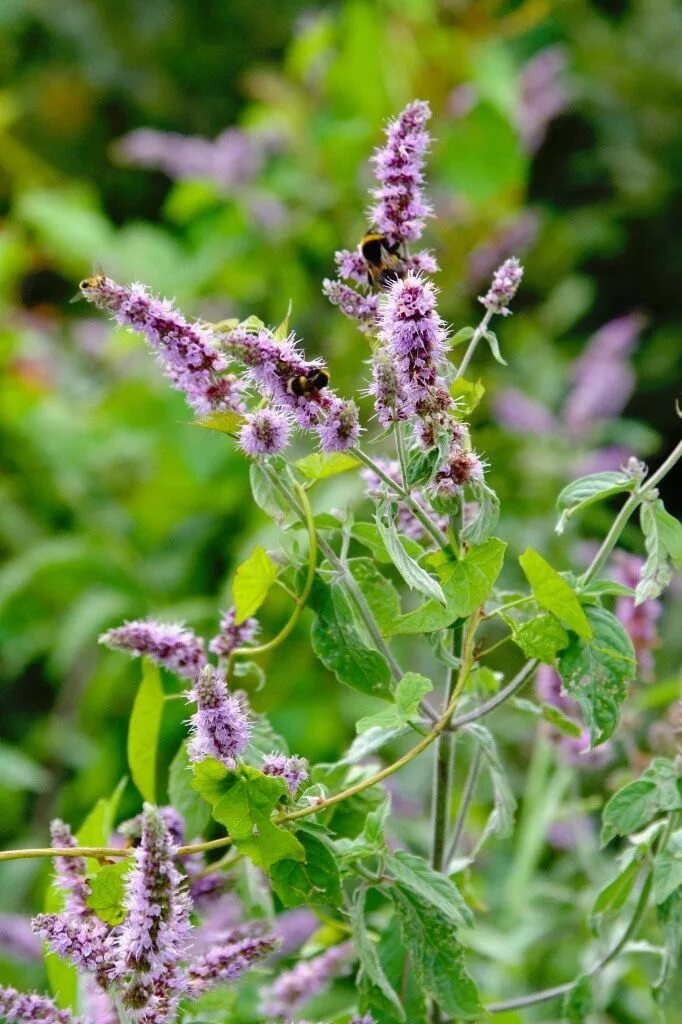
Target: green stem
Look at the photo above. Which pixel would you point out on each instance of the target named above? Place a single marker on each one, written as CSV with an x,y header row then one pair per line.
x,y
400,448
442,783
465,804
471,348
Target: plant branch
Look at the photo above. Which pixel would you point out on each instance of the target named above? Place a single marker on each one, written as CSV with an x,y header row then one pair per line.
x,y
465,804
473,344
442,783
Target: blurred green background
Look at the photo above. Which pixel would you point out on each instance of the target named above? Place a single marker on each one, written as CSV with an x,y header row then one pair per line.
x,y
556,139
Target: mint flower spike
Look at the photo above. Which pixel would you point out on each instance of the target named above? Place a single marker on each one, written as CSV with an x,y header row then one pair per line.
x,y
232,635
265,432
400,209
504,286
186,350
228,962
220,725
70,871
21,1008
153,937
294,770
171,645
295,987
86,941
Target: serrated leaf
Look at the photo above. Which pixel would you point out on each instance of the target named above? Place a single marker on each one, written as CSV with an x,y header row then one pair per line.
x,y
491,338
107,892
268,497
396,964
224,422
597,672
551,591
437,956
252,582
322,465
668,868
481,525
368,535
589,489
578,1003
663,542
541,637
466,584
312,882
338,642
421,466
243,801
196,813
413,574
637,804
414,874
367,953
143,731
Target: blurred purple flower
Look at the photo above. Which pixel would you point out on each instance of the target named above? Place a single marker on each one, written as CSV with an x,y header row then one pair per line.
x,y
400,208
522,414
639,620
570,832
294,927
543,94
228,962
17,938
220,726
516,236
233,158
601,460
174,646
20,1008
297,986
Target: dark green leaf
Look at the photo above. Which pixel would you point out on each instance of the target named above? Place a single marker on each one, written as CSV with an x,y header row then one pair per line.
x,y
670,918
501,819
367,953
379,592
421,466
637,804
578,1002
597,672
143,731
338,643
551,591
668,868
414,874
614,895
312,882
397,967
368,535
196,812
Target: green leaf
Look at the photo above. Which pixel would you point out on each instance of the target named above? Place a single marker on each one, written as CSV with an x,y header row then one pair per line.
x,y
668,868
409,694
433,888
669,915
541,637
107,892
589,489
614,895
266,496
251,583
312,882
379,592
663,542
466,584
421,466
397,967
578,1003
320,466
463,334
560,721
224,422
484,520
637,804
367,952
143,731
597,672
369,742
368,535
551,591
339,644
437,956
99,824
491,338
501,819
467,394
196,812
243,801
413,574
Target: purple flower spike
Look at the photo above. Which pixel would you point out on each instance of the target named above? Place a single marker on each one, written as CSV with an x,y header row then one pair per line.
x,y
352,304
414,335
400,209
175,647
388,389
220,726
265,432
19,1008
505,283
341,429
295,987
294,770
233,635
70,870
154,935
187,352
228,962
85,941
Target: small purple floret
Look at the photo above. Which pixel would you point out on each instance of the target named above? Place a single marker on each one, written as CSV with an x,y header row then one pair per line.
x,y
265,432
219,726
294,770
505,283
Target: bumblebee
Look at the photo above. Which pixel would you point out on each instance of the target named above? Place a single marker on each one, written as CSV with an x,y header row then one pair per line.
x,y
384,264
308,385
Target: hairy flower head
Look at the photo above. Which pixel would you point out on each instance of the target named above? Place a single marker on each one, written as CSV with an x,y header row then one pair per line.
x,y
219,726
174,646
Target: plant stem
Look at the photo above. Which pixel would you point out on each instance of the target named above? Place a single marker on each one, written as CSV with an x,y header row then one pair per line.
x,y
465,804
442,782
247,652
400,448
508,691
471,348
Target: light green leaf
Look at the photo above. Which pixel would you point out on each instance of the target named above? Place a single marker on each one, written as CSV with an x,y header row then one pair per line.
x,y
501,819
484,520
196,812
413,574
659,789
320,465
541,637
433,888
663,542
589,489
614,895
367,952
266,496
223,422
243,801
560,721
379,592
668,868
597,672
107,892
491,338
579,1002
251,583
551,591
312,882
467,394
466,584
463,334
143,731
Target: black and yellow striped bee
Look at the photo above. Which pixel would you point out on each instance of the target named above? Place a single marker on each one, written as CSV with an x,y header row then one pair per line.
x,y
308,385
384,264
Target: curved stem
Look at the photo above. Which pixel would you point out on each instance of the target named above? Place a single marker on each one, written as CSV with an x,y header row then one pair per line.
x,y
467,797
505,693
247,652
471,348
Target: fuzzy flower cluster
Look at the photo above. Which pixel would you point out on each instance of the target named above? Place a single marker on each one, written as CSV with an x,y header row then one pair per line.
x,y
70,870
265,432
294,770
406,521
232,159
174,647
295,987
400,208
220,725
575,750
505,284
20,1008
228,962
187,351
232,635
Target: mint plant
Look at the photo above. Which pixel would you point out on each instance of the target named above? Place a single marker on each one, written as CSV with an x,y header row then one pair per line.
x,y
416,581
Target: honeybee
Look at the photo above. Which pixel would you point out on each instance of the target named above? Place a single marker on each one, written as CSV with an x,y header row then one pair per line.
x,y
96,281
384,263
307,385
